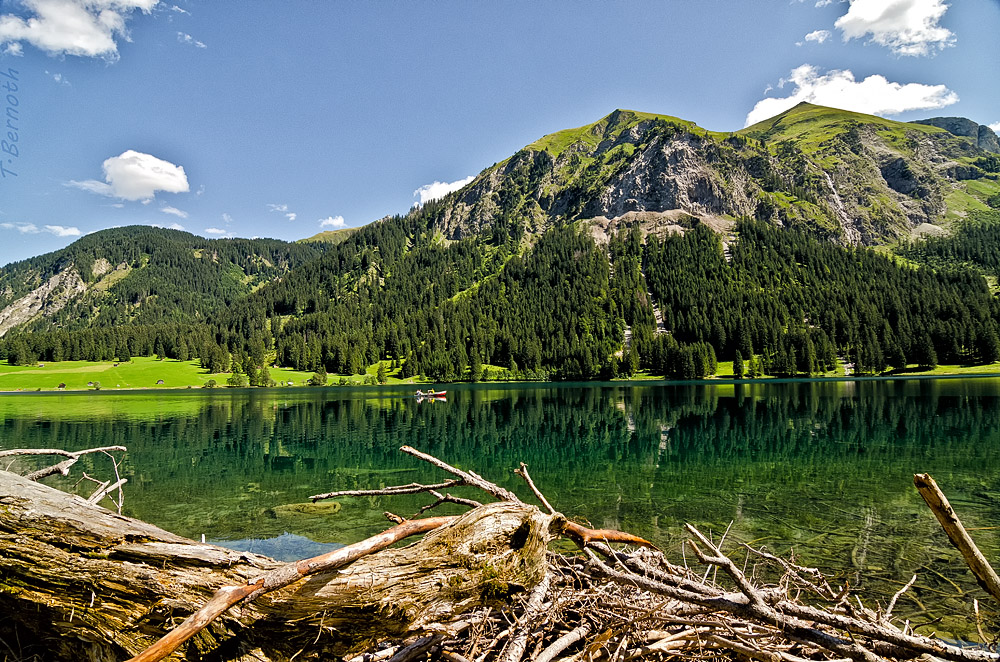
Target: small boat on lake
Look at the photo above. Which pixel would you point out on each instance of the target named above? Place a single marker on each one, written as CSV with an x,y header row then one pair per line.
x,y
439,395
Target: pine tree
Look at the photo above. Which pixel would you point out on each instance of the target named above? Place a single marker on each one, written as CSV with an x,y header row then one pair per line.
x,y
475,366
238,380
988,345
925,354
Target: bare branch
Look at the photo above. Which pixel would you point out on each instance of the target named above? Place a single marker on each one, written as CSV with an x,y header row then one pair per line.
x,y
105,489
986,576
584,536
468,477
523,473
446,498
395,490
564,642
228,596
892,603
61,467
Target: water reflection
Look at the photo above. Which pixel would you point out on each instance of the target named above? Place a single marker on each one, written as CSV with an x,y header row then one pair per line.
x,y
821,468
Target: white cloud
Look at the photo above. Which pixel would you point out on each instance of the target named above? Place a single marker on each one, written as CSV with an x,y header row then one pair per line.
x,y
133,175
332,222
63,231
837,88
185,38
87,28
93,186
907,27
819,36
58,77
179,10
429,192
215,231
31,228
23,228
227,219
995,126
282,208
14,48
823,3
174,210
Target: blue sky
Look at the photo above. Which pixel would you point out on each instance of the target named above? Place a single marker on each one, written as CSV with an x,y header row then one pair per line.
x,y
281,119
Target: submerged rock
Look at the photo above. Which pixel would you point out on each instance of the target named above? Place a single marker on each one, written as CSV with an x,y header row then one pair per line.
x,y
305,509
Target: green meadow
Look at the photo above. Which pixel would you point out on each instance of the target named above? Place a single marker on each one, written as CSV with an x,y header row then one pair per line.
x,y
139,373
148,372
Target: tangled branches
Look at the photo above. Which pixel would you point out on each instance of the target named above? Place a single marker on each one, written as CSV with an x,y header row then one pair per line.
x,y
105,488
621,606
607,604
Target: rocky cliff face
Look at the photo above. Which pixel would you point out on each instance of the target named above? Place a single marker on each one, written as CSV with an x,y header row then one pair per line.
x,y
626,164
984,137
45,300
854,178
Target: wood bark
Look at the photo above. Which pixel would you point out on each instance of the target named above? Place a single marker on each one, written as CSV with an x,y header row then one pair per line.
x,y
935,499
83,583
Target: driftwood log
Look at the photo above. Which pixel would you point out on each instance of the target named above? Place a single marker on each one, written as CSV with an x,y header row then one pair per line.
x,y
78,582
88,584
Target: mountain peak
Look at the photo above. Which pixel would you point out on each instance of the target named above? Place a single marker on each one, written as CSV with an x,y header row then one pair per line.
x,y
591,135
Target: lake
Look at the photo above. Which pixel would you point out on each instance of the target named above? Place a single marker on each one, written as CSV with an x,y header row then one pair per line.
x,y
823,469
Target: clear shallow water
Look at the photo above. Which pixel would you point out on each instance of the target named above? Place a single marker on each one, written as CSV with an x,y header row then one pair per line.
x,y
823,469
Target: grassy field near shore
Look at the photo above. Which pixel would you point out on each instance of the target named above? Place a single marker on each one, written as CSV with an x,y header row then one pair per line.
x,y
147,372
141,372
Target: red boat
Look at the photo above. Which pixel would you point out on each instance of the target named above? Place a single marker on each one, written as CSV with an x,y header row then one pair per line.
x,y
430,394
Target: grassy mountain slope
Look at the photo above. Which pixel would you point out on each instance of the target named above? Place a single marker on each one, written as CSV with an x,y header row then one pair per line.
x,y
857,178
329,236
891,175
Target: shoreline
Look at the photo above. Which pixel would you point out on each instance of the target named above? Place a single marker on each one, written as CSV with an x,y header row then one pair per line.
x,y
645,381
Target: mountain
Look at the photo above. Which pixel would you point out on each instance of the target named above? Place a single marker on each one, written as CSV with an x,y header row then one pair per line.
x,y
638,242
985,137
858,179
140,275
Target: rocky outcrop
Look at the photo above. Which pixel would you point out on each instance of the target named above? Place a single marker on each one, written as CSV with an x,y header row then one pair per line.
x,y
640,168
985,137
47,299
669,175
853,178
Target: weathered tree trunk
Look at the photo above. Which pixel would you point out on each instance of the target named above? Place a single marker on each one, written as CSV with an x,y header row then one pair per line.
x,y
80,582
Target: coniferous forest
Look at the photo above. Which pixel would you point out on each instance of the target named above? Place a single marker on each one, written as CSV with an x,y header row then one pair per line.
x,y
555,305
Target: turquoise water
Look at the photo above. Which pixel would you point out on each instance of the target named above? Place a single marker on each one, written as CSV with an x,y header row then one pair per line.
x,y
819,469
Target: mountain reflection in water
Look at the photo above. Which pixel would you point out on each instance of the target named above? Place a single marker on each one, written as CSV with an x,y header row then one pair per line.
x,y
823,469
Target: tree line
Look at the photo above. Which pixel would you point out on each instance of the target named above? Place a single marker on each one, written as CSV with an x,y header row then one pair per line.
x,y
775,301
